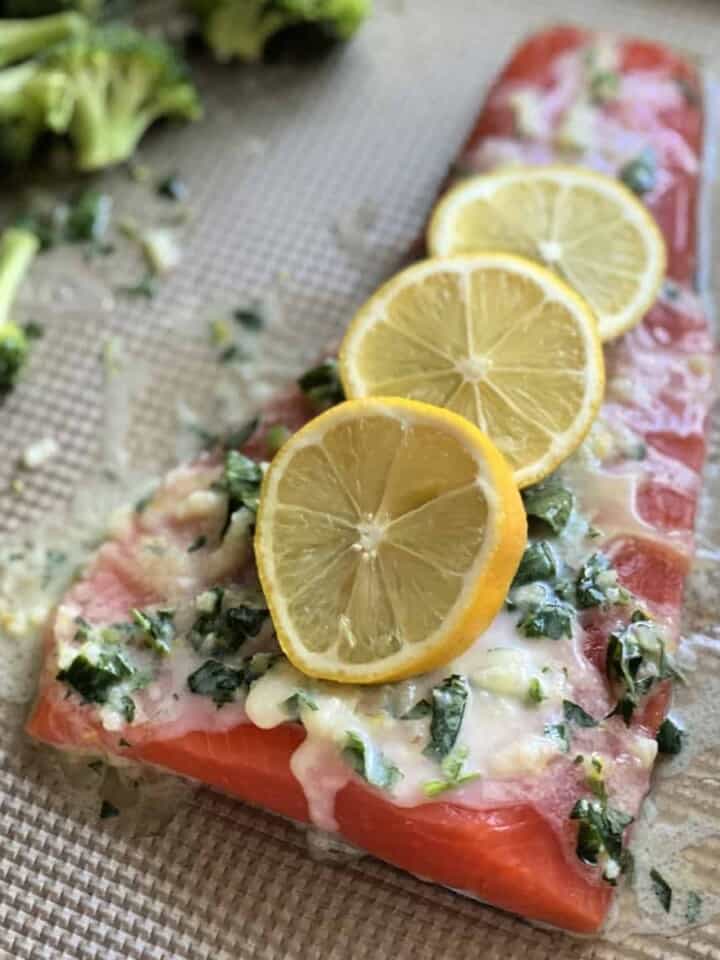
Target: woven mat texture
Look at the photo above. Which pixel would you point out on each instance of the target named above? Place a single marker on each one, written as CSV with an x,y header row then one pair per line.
x,y
313,182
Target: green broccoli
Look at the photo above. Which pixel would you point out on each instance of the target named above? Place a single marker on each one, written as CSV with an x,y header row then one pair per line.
x,y
31,102
108,87
241,28
20,39
17,249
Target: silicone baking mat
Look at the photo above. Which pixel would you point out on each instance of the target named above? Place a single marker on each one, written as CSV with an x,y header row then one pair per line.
x,y
307,185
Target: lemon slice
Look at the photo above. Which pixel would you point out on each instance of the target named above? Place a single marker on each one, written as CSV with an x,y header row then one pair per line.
x,y
387,536
495,338
586,227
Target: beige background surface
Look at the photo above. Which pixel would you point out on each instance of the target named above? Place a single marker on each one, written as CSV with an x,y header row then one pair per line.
x,y
283,159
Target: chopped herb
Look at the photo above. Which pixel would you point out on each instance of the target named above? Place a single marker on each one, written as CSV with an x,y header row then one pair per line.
x,y
604,86
276,437
34,330
220,632
127,708
173,188
553,619
595,777
299,700
448,701
600,836
147,286
241,481
549,502
694,907
322,386
535,693
452,768
231,354
108,810
214,679
597,584
158,628
640,174
421,709
574,713
369,762
94,679
635,661
88,217
538,563
558,732
198,543
661,889
251,317
670,738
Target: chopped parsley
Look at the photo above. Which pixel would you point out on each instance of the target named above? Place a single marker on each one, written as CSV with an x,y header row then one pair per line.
x,y
197,544
157,628
448,701
558,733
300,700
251,317
369,762
670,738
600,836
550,502
218,632
640,174
597,584
636,660
574,713
214,679
108,810
453,776
241,481
538,563
127,708
552,619
94,677
661,889
322,386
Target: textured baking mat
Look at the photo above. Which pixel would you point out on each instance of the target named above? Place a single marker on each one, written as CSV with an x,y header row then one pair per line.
x,y
307,186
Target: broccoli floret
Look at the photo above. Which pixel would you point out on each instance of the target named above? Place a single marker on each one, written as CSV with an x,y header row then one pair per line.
x,y
242,28
115,83
31,102
20,39
17,249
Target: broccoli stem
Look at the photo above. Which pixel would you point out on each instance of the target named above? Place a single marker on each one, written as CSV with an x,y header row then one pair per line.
x,y
20,39
17,249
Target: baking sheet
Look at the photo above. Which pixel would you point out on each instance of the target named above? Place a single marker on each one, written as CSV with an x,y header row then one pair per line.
x,y
307,186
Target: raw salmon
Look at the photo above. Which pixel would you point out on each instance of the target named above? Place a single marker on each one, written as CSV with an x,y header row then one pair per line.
x,y
516,855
